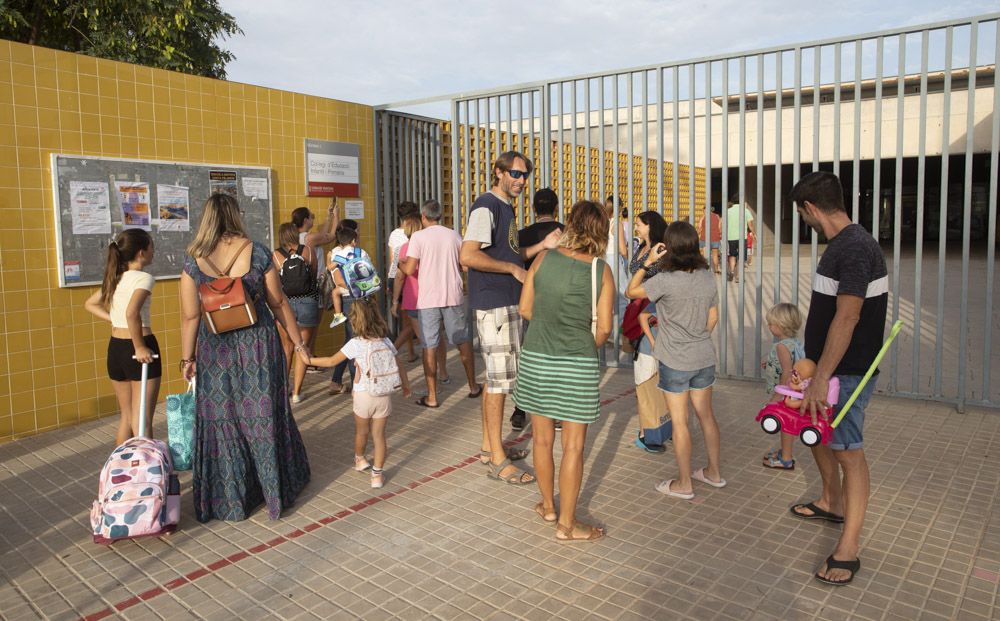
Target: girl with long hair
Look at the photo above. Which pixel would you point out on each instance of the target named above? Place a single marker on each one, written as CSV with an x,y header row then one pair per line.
x,y
686,297
124,300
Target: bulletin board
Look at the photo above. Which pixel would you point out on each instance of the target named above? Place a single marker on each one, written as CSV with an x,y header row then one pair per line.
x,y
95,198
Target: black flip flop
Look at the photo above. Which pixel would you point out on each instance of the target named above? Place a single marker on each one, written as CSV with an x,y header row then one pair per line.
x,y
422,402
832,563
817,514
475,395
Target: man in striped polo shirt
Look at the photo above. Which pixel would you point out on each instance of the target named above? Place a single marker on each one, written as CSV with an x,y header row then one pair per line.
x,y
844,332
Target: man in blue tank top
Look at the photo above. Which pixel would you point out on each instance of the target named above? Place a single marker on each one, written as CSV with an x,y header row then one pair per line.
x,y
491,253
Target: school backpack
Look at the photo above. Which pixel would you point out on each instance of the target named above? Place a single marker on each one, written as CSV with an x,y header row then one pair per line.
x,y
631,329
139,494
360,277
381,370
295,274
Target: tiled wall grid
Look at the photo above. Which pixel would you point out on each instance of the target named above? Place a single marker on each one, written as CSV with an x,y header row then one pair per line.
x,y
52,356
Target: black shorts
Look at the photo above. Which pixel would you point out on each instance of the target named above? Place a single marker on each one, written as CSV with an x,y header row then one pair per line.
x,y
734,248
121,366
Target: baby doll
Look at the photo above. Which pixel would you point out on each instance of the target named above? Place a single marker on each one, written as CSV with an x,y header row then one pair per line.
x,y
802,372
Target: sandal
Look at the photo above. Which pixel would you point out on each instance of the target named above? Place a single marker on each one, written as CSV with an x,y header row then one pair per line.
x,y
513,454
594,533
774,460
817,513
422,402
547,515
514,478
479,391
832,563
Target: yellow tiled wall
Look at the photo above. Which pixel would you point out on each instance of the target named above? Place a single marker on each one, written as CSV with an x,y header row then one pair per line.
x,y
52,358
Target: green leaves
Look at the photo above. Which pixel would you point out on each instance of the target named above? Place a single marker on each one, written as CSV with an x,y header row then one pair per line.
x,y
180,35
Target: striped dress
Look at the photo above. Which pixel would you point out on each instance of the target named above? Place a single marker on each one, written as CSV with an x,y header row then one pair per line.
x,y
558,373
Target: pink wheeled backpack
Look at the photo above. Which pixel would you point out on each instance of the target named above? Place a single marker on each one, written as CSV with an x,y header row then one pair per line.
x,y
139,494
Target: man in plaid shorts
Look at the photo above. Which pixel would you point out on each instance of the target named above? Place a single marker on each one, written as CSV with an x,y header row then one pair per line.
x,y
496,270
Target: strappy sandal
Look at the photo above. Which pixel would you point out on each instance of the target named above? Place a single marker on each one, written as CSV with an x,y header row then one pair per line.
x,y
594,533
545,513
514,478
513,454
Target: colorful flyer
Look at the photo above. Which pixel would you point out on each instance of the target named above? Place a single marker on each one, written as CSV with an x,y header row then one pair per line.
x,y
71,271
134,199
172,201
223,181
90,203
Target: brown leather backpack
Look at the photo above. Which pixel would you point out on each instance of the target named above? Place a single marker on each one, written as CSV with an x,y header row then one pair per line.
x,y
224,303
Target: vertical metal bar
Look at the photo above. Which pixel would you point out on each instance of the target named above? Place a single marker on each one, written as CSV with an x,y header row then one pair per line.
x,y
645,145
837,59
545,137
897,207
560,187
588,162
779,96
796,171
724,301
856,181
602,180
817,131
660,151
476,154
456,217
760,214
741,314
991,228
691,131
921,179
498,137
525,198
381,213
575,157
488,147
538,159
970,131
438,167
675,172
629,205
616,268
943,209
411,137
877,151
466,190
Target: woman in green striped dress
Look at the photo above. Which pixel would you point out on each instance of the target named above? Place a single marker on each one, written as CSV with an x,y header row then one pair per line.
x,y
558,376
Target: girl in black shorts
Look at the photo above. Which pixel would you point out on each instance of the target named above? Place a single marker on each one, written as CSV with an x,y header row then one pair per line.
x,y
124,300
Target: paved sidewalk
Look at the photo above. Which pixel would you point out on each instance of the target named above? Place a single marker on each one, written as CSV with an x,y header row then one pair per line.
x,y
443,541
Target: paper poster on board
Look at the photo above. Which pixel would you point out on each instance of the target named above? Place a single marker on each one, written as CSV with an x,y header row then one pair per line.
x,y
354,210
223,181
90,203
172,203
133,196
332,168
255,187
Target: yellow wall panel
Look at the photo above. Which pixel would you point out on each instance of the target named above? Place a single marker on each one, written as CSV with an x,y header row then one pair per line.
x,y
52,354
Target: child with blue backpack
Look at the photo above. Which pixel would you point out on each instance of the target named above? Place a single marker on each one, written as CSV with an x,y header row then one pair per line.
x,y
350,267
784,321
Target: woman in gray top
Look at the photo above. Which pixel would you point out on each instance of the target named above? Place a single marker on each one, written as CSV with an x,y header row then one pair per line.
x,y
687,300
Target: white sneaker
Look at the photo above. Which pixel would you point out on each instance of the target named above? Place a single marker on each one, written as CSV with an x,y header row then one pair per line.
x,y
377,479
338,319
296,398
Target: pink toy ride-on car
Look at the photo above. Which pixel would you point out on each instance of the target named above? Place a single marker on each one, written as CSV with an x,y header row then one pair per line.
x,y
775,417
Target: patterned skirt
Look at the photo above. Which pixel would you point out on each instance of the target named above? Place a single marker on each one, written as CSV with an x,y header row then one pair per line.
x,y
559,387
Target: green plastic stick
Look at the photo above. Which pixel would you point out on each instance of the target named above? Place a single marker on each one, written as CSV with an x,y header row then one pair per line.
x,y
896,327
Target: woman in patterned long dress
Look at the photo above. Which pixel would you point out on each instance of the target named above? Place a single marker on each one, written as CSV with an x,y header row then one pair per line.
x,y
248,450
558,376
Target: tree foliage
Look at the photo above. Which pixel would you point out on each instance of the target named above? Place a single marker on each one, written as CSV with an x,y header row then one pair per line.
x,y
180,35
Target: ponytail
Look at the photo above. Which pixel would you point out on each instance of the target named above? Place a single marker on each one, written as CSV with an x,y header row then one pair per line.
x,y
121,251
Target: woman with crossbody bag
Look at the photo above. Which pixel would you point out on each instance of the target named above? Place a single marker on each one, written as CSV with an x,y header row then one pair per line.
x,y
248,450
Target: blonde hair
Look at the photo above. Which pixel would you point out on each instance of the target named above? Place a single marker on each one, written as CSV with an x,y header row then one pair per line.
x,y
787,317
220,218
366,321
288,236
586,229
411,224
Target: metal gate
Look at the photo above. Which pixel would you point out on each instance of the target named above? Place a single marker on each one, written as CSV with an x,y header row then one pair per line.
x,y
906,117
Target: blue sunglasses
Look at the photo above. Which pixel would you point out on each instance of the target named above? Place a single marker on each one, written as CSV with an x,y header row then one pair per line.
x,y
518,174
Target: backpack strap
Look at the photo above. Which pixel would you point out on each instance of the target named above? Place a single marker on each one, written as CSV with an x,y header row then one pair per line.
x,y
299,252
223,273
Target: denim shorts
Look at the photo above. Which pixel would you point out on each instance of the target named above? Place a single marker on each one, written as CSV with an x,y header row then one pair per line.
x,y
848,435
679,382
306,311
716,244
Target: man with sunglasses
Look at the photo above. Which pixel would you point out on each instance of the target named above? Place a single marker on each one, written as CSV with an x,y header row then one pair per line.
x,y
493,257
